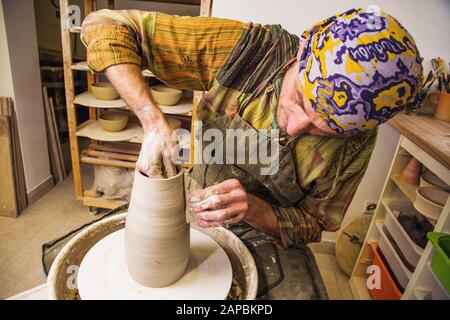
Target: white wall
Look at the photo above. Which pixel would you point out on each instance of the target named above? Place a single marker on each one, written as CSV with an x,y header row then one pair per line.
x,y
170,8
6,87
25,83
427,21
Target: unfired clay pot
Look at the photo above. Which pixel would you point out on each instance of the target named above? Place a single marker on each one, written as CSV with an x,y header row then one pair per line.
x,y
411,173
157,242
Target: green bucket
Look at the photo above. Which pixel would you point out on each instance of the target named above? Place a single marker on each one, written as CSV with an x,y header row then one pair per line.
x,y
441,259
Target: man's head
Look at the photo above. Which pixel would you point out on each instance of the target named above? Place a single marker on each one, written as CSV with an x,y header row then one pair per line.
x,y
357,70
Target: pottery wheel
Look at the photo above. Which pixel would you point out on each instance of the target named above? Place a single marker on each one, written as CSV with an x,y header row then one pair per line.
x,y
103,273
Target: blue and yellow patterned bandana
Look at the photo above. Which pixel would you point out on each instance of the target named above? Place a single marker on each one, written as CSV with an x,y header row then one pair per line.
x,y
358,69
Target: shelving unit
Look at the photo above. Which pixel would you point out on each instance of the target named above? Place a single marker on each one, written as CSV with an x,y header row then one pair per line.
x,y
119,149
427,140
83,66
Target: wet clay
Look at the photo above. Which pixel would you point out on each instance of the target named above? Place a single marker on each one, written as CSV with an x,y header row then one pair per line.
x,y
157,238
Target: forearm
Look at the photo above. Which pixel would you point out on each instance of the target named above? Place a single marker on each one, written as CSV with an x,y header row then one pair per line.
x,y
291,225
129,82
261,216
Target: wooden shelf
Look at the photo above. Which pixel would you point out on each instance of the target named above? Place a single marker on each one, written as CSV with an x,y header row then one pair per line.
x,y
428,133
101,202
118,147
92,129
130,139
409,190
358,286
426,149
87,99
110,156
83,66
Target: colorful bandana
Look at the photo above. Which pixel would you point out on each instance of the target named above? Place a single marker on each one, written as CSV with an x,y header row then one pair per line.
x,y
358,69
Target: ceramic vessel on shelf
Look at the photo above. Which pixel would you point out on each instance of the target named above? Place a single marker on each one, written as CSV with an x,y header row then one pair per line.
x,y
166,96
104,91
113,121
429,179
430,201
157,237
442,102
411,174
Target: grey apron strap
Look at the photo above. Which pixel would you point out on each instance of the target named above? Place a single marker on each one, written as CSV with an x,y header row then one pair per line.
x,y
263,85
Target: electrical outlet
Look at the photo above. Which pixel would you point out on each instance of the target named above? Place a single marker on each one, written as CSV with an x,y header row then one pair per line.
x,y
369,207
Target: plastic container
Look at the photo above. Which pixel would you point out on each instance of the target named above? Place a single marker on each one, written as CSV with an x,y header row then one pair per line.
x,y
388,289
441,259
400,271
410,250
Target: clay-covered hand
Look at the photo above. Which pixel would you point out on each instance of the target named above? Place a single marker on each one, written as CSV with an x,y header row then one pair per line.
x,y
224,203
155,158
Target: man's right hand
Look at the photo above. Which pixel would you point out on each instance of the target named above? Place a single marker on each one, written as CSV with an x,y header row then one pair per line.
x,y
155,158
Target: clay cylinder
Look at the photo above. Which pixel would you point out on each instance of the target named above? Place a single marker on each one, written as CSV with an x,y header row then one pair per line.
x,y
157,240
411,173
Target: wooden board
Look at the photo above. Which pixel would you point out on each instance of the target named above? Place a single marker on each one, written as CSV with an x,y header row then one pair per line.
x,y
58,142
7,108
428,133
69,85
52,134
11,163
116,148
102,202
8,204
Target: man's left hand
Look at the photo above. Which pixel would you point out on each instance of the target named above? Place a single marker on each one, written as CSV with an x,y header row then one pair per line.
x,y
224,203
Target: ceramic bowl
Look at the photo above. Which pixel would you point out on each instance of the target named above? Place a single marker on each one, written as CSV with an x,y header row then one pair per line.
x,y
430,201
104,91
429,179
166,96
113,121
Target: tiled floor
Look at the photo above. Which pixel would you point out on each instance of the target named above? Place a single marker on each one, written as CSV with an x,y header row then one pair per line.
x,y
59,212
336,281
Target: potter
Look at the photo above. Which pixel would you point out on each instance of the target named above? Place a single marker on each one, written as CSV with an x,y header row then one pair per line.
x,y
326,104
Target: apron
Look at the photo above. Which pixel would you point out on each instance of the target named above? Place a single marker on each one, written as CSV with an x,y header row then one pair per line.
x,y
280,189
